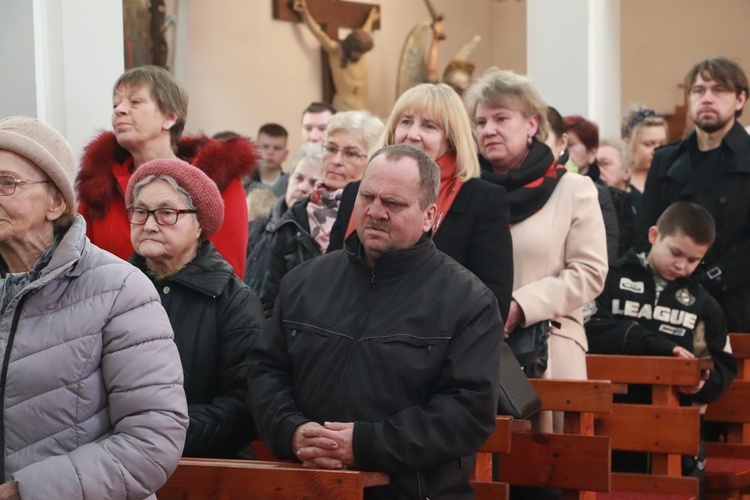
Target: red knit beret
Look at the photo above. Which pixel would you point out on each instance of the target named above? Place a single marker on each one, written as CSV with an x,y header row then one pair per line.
x,y
203,191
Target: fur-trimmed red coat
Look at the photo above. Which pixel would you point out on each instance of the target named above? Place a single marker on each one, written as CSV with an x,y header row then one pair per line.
x,y
106,168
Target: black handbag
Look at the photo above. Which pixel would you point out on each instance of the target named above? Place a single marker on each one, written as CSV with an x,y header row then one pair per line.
x,y
517,397
529,345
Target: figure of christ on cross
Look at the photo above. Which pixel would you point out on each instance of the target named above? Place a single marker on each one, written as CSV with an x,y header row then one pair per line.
x,y
345,58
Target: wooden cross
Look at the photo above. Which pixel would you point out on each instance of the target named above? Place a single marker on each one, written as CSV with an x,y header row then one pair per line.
x,y
330,15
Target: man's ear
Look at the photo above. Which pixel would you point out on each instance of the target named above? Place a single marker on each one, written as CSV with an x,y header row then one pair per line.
x,y
653,234
429,217
741,99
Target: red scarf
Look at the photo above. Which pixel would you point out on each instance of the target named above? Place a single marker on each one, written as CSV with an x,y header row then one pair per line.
x,y
450,185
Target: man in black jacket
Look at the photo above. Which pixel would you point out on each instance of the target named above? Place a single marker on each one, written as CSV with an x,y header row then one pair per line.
x,y
383,356
711,167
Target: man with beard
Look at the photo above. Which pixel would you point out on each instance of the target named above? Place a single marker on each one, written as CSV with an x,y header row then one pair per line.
x,y
348,68
711,167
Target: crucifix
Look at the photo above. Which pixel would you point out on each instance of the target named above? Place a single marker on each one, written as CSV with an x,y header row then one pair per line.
x,y
344,75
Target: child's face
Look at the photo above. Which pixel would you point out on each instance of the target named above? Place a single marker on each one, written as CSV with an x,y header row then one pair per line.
x,y
674,256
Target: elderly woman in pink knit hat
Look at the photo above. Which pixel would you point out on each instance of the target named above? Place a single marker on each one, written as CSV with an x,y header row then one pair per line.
x,y
173,209
91,393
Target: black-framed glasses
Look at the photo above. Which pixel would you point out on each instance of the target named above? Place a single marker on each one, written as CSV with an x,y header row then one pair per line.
x,y
348,154
162,216
8,184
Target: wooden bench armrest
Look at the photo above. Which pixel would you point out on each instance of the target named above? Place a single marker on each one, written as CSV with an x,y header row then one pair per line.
x,y
733,406
567,461
499,440
223,478
653,370
651,428
728,450
656,484
740,343
593,396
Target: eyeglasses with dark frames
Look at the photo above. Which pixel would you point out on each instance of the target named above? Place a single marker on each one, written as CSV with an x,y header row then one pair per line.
x,y
162,216
348,154
8,184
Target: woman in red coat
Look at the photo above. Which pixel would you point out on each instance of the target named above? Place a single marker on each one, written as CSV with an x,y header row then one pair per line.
x,y
148,116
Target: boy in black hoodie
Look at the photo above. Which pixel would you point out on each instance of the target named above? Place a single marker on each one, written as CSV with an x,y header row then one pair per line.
x,y
651,305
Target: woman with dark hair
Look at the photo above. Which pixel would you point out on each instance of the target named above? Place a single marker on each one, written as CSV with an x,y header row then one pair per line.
x,y
559,245
583,143
557,139
148,116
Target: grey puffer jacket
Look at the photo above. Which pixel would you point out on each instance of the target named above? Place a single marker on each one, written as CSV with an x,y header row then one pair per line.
x,y
91,381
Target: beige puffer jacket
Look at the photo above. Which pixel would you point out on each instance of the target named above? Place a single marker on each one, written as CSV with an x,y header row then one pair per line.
x,y
91,386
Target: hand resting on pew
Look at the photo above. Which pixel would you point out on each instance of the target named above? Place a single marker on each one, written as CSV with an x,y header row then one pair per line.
x,y
324,447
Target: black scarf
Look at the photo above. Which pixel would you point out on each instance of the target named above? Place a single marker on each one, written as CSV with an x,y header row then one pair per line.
x,y
530,185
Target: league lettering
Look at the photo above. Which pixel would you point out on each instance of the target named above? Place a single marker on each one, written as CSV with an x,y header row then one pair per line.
x,y
664,314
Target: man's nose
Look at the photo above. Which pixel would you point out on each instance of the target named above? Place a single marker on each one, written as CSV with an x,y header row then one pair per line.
x,y
377,211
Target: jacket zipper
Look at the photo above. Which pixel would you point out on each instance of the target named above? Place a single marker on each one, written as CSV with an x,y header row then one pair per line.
x,y
360,328
6,361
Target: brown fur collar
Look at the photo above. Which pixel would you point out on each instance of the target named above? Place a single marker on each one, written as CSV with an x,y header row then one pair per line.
x,y
222,161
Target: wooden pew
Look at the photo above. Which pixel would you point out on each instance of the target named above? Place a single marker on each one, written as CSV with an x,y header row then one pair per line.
x,y
575,461
663,429
221,479
728,464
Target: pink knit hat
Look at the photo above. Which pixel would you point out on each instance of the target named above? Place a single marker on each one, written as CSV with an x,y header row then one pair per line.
x,y
45,147
203,191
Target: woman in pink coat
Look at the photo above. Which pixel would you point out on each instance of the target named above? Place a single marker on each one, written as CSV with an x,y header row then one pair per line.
x,y
559,244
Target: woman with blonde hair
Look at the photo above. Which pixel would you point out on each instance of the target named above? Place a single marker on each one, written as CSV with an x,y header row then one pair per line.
x,y
559,244
472,225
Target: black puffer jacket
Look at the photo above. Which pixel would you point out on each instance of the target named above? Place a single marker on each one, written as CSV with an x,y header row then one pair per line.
x,y
215,318
292,245
408,351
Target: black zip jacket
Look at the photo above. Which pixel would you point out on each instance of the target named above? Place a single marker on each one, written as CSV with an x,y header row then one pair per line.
x,y
215,318
631,320
408,351
291,246
259,246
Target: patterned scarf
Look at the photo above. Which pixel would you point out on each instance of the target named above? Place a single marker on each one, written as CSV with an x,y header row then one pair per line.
x,y
321,213
11,284
530,185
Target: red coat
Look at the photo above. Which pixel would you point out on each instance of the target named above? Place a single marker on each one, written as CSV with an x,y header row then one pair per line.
x,y
106,168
